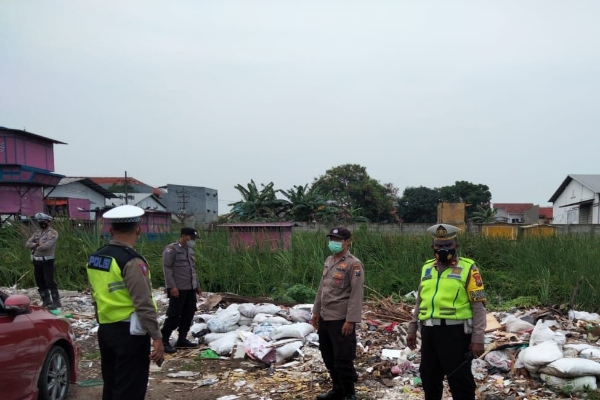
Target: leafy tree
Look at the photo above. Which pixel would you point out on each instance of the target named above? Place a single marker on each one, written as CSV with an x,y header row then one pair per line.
x,y
352,189
484,215
258,205
466,192
309,205
419,204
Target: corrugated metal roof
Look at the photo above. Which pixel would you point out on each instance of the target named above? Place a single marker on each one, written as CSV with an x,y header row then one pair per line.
x,y
259,224
592,182
89,183
33,135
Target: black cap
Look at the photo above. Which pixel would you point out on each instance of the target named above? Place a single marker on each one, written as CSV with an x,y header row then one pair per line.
x,y
340,233
189,231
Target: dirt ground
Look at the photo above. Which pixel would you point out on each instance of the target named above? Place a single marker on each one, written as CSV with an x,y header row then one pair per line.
x,y
261,382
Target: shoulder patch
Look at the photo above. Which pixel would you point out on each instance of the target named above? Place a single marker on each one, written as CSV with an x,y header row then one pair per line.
x,y
144,268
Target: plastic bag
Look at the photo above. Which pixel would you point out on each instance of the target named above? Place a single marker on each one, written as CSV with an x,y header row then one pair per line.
x,y
499,359
514,324
256,348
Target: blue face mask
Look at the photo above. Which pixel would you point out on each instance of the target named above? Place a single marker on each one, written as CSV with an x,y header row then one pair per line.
x,y
335,247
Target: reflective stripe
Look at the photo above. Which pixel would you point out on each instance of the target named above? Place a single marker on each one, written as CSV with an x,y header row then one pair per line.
x,y
438,321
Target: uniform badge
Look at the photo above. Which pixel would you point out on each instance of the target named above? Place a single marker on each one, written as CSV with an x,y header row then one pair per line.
x,y
357,270
144,269
478,281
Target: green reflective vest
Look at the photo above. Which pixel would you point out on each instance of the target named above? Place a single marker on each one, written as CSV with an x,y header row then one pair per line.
x,y
104,270
445,295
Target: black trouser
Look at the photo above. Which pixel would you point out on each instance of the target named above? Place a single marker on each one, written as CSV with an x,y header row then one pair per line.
x,y
443,350
43,271
125,362
180,313
338,352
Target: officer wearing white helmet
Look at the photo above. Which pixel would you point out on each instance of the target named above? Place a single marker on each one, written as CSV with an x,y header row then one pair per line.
x,y
450,313
125,308
42,245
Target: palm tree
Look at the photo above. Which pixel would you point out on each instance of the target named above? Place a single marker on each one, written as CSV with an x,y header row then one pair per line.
x,y
258,205
309,205
484,215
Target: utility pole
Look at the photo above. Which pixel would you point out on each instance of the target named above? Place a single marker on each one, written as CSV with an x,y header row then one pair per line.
x,y
126,189
182,198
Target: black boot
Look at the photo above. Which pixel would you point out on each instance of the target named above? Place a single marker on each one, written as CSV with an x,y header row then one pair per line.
x,y
182,342
348,388
45,296
55,300
334,394
166,335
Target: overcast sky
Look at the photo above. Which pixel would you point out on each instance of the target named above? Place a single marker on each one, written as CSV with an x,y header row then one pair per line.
x,y
216,93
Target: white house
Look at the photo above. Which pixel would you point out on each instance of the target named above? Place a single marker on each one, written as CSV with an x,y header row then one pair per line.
x,y
76,198
576,200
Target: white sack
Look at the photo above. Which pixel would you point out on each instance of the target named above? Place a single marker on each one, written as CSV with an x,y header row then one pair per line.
x,y
300,315
277,321
245,320
299,331
542,333
572,368
224,345
224,319
260,318
268,309
514,324
264,330
287,351
570,385
578,346
211,337
584,316
534,357
247,309
591,352
197,327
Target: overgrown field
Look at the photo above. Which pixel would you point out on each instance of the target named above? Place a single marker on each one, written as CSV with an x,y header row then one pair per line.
x,y
531,271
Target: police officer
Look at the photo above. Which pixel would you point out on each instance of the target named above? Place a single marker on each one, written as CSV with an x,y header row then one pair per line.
x,y
42,245
450,311
125,308
336,311
182,287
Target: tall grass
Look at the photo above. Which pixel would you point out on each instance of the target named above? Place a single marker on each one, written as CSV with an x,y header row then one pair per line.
x,y
545,268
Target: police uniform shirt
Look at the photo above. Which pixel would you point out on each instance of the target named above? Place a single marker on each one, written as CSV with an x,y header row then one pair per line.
x,y
475,291
46,242
340,292
179,267
135,276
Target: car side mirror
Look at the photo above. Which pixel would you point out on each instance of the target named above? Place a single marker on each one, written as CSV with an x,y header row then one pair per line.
x,y
17,304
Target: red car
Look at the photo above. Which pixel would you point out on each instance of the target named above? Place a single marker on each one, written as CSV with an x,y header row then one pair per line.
x,y
38,353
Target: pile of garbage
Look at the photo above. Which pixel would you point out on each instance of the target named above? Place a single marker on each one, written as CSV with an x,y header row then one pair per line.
x,y
541,353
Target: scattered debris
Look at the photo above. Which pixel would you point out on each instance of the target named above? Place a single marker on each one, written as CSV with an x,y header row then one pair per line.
x,y
530,354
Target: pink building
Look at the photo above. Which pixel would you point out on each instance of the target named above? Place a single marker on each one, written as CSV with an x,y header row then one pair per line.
x,y
270,235
26,169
